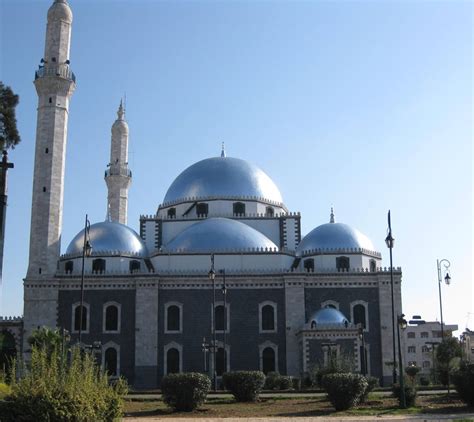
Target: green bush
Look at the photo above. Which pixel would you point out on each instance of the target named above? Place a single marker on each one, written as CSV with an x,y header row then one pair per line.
x,y
424,381
336,364
244,385
286,382
5,390
463,380
344,390
410,394
372,382
272,381
51,389
296,384
185,392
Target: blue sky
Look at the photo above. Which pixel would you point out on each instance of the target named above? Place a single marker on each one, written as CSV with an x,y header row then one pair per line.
x,y
366,106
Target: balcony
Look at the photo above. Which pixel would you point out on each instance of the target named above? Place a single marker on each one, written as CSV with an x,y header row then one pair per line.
x,y
62,71
118,171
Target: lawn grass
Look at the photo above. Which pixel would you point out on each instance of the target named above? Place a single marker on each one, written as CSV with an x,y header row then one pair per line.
x,y
222,407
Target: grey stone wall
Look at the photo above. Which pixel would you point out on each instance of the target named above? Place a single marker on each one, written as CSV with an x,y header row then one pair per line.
x,y
96,299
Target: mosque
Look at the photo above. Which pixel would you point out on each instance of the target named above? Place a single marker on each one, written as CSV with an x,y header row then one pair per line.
x,y
220,278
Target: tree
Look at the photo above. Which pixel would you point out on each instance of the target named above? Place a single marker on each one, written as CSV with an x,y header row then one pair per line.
x,y
9,136
448,356
46,338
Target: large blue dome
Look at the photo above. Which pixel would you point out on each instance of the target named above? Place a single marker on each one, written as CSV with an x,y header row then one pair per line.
x,y
334,236
219,235
223,177
109,237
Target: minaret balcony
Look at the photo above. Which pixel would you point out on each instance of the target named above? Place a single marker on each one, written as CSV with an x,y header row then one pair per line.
x,y
62,71
118,171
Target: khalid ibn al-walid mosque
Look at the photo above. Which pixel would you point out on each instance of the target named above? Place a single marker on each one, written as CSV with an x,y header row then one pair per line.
x,y
275,300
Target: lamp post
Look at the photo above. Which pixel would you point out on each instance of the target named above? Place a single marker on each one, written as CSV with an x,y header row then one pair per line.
x,y
86,251
205,348
224,296
364,359
212,277
401,323
389,241
447,280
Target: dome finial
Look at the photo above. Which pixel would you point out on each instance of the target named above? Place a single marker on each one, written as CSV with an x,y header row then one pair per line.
x,y
121,111
223,150
332,218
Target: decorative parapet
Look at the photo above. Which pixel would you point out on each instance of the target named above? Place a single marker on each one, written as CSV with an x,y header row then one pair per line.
x,y
337,251
11,319
140,272
223,198
350,271
266,250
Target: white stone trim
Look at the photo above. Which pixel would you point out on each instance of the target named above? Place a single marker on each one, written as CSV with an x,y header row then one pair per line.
x,y
172,345
260,319
327,303
180,307
261,348
73,313
119,317
227,317
366,307
115,346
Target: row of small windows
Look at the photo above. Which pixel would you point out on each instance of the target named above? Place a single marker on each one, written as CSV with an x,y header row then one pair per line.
x,y
424,349
425,364
238,208
173,317
342,264
111,318
99,266
173,360
424,334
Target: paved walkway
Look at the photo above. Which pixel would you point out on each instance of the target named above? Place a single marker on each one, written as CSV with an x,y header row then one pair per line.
x,y
407,418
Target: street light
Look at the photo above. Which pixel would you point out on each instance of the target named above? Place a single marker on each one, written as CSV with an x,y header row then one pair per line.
x,y
401,323
447,280
86,251
364,358
389,241
212,277
224,295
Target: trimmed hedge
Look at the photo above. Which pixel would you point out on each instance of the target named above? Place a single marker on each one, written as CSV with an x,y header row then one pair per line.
x,y
186,391
410,394
372,382
463,380
344,390
275,381
244,385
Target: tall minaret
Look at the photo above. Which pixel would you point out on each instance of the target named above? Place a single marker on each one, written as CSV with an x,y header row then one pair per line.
x,y
54,84
118,176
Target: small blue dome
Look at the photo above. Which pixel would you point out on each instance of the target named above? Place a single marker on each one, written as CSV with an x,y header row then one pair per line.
x,y
109,236
329,316
223,177
334,236
219,234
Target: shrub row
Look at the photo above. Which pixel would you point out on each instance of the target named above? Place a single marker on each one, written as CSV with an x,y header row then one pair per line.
x,y
344,390
244,385
185,392
275,381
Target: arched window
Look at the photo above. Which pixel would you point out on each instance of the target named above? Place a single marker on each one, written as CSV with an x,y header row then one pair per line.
x,y
172,361
268,318
342,263
239,208
202,209
269,212
77,318
173,318
111,318
359,315
309,264
219,318
69,267
172,213
268,360
134,266
221,362
98,265
110,361
373,266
